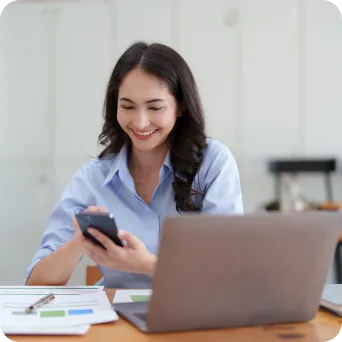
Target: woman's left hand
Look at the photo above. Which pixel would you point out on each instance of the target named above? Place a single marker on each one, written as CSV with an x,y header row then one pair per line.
x,y
133,257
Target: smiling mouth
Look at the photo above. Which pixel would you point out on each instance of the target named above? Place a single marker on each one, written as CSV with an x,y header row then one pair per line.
x,y
144,134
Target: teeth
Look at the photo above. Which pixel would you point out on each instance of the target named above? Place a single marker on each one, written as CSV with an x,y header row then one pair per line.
x,y
144,133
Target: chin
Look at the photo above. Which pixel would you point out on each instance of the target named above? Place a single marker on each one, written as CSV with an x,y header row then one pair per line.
x,y
147,145
144,146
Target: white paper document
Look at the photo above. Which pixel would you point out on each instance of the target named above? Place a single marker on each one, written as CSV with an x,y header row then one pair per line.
x,y
72,330
44,290
65,310
130,296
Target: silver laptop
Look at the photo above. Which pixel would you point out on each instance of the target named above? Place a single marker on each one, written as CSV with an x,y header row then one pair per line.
x,y
229,271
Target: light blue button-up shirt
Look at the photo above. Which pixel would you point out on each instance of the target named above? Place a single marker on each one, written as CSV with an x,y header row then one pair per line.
x,y
107,182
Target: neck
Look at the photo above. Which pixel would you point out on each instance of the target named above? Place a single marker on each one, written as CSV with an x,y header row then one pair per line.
x,y
147,162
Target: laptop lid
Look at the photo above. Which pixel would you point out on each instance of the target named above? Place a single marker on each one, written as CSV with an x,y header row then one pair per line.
x,y
222,271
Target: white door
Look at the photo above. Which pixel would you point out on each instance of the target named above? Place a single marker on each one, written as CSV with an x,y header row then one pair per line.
x,y
24,148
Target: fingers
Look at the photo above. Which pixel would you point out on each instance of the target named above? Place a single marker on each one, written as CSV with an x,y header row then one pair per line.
x,y
131,240
89,209
79,235
97,209
111,257
96,253
107,242
75,224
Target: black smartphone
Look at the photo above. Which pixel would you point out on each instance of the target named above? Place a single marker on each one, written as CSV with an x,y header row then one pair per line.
x,y
104,222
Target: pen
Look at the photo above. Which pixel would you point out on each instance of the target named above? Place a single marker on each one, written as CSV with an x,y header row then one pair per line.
x,y
40,302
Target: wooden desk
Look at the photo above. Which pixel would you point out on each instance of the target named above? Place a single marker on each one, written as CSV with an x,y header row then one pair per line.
x,y
323,328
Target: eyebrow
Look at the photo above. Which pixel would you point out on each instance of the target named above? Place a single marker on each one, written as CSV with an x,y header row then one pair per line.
x,y
149,101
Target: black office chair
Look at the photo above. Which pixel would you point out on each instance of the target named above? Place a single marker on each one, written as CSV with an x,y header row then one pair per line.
x,y
301,166
297,166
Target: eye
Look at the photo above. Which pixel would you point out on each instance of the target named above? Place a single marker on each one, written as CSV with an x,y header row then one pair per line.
x,y
156,109
127,107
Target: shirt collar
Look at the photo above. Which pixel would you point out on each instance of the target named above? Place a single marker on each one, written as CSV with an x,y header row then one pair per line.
x,y
120,162
117,162
167,161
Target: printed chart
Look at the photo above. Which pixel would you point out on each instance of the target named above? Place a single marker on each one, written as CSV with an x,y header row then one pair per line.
x,y
65,310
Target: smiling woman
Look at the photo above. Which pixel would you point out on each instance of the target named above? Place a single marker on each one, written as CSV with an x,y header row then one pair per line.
x,y
156,161
155,98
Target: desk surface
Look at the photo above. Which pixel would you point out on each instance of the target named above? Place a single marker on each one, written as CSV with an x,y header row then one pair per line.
x,y
323,328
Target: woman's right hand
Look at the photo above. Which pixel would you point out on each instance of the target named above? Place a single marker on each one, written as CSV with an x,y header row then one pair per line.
x,y
57,267
78,237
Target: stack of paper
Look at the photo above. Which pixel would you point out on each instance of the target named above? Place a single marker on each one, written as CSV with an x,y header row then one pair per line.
x,y
72,330
44,290
69,313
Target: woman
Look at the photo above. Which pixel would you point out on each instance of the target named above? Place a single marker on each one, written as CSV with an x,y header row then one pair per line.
x,y
156,161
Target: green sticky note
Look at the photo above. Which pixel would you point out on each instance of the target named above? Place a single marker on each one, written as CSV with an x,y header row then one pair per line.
x,y
59,313
140,298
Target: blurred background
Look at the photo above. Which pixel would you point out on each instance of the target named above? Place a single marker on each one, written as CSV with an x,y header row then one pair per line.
x,y
269,73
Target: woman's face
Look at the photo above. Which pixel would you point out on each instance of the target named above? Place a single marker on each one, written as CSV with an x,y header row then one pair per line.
x,y
146,111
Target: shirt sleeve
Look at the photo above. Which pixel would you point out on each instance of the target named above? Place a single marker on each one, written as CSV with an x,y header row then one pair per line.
x,y
59,229
222,190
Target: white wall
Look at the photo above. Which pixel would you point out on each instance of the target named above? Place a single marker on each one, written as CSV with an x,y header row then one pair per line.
x,y
269,74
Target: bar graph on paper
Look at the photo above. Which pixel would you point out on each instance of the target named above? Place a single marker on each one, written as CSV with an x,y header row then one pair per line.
x,y
54,310
65,310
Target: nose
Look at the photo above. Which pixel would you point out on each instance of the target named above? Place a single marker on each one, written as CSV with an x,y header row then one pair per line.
x,y
141,120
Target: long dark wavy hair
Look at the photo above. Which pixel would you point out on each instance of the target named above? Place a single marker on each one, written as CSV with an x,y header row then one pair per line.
x,y
187,139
